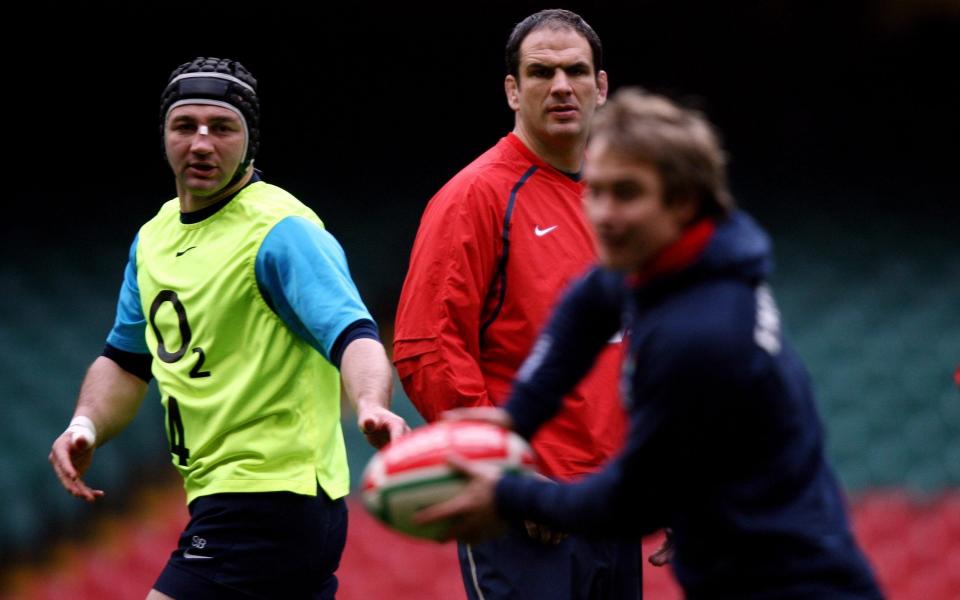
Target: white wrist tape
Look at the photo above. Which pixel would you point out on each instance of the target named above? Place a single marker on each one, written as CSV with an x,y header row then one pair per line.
x,y
83,427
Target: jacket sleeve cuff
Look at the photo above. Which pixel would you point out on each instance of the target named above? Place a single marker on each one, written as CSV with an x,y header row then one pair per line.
x,y
134,363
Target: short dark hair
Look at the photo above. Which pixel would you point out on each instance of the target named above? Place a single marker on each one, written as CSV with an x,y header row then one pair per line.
x,y
554,18
680,142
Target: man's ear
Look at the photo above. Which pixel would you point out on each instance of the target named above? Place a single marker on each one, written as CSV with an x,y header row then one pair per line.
x,y
685,209
603,86
511,88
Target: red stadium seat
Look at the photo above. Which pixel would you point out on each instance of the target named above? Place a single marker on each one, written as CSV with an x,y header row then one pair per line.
x,y
914,546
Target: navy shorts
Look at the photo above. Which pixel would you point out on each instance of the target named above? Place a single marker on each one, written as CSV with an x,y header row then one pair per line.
x,y
258,545
517,566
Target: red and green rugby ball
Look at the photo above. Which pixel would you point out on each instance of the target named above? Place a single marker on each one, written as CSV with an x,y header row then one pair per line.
x,y
412,472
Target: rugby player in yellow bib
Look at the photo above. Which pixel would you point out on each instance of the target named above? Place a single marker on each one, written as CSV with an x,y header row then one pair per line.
x,y
242,306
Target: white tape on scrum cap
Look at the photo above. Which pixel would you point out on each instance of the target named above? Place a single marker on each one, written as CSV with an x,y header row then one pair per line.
x,y
83,427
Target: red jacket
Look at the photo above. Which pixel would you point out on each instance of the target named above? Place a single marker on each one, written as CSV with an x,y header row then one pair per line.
x,y
496,247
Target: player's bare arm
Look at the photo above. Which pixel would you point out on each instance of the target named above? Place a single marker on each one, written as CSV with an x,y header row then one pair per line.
x,y
368,383
109,399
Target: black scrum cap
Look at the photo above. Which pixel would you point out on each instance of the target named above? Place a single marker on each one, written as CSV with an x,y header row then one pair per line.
x,y
221,82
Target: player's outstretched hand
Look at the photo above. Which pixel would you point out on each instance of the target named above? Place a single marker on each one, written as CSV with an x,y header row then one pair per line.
x,y
71,456
472,512
487,414
380,425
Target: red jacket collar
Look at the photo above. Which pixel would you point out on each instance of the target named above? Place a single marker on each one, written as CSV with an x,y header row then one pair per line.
x,y
678,255
517,144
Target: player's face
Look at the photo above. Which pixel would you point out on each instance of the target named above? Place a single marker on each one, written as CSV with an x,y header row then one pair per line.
x,y
557,90
624,204
205,145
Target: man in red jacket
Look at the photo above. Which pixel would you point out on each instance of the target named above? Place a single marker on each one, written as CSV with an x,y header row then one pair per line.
x,y
496,246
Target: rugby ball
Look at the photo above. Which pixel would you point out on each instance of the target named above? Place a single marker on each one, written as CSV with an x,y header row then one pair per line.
x,y
412,472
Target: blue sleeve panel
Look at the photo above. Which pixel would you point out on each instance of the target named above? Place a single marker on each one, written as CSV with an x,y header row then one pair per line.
x,y
303,275
584,320
129,326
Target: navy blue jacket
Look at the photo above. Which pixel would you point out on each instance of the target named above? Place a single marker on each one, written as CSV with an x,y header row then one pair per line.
x,y
725,444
